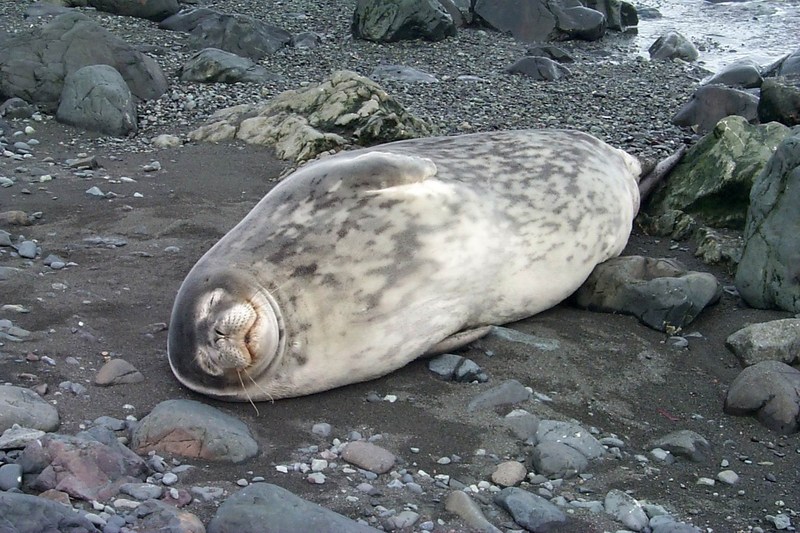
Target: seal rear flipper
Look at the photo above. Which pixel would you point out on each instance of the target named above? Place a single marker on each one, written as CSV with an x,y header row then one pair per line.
x,y
458,340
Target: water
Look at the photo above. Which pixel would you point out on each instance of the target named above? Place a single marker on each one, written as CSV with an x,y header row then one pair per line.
x,y
762,30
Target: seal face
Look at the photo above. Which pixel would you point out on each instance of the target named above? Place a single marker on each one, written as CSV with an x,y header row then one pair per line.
x,y
361,262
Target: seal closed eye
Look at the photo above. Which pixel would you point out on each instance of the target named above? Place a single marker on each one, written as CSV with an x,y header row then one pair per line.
x,y
360,262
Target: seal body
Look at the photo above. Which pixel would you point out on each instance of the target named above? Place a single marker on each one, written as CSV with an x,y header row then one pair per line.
x,y
356,264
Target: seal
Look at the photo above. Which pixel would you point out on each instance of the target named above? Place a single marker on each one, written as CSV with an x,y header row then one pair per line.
x,y
361,262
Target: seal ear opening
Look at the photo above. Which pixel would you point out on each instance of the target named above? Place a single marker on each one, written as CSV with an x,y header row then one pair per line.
x,y
381,170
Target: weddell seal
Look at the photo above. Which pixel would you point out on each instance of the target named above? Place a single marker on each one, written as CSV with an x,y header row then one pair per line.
x,y
358,263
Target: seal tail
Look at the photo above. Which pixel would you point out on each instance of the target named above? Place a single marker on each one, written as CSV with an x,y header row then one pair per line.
x,y
653,178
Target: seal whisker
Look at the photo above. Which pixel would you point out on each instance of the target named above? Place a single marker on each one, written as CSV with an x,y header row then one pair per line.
x,y
259,387
244,389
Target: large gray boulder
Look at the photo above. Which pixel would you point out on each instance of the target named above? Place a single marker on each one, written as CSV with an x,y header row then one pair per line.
x,y
96,98
673,45
744,73
769,273
212,65
239,34
155,10
771,391
661,293
398,20
26,513
344,109
34,64
547,20
711,103
779,102
620,15
714,178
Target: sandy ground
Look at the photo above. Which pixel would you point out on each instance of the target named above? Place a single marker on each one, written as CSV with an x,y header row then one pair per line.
x,y
612,373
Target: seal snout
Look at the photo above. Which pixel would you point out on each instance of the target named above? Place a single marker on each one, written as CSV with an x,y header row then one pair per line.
x,y
231,336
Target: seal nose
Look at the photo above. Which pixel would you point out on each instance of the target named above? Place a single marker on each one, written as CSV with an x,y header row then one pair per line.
x,y
231,335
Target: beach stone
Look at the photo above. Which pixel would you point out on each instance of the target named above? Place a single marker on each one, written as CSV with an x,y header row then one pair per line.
x,y
790,66
27,249
767,275
239,34
580,22
711,103
714,248
16,437
306,40
457,368
778,340
551,52
164,517
344,109
193,429
771,391
572,435
26,408
268,508
556,460
779,102
96,98
396,20
661,293
27,513
368,456
16,108
539,68
322,429
460,503
528,21
626,509
142,491
673,45
459,10
35,63
523,425
154,10
530,511
91,465
684,443
117,372
714,179
187,19
744,73
401,73
212,65
619,15
10,476
509,473
502,340
403,519
507,393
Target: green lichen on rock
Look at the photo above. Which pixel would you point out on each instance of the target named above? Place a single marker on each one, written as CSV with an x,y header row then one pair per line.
x,y
714,179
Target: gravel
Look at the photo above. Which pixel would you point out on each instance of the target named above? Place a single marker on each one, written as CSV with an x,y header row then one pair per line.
x,y
614,94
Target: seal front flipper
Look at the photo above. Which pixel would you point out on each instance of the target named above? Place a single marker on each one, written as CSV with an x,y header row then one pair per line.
x,y
458,340
376,170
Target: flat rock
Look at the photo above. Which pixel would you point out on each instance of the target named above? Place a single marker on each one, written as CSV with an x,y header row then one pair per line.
x,y
23,513
777,340
460,503
507,393
368,456
684,443
193,429
626,509
117,372
556,460
711,103
268,508
530,511
16,437
26,408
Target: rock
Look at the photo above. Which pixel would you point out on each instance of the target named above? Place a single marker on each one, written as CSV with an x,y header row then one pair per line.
x,y
523,425
539,68
162,516
626,509
344,109
16,108
790,66
619,15
714,179
711,103
117,372
580,22
661,293
684,443
397,20
729,477
34,64
527,20
306,40
10,476
368,456
509,473
673,45
530,511
507,393
402,74
27,249
551,52
26,513
459,10
154,10
744,73
465,507
187,19
96,98
322,429
212,65
778,340
767,276
268,508
500,339
26,408
91,465
457,368
16,437
715,248
404,519
192,429
239,34
779,102
572,435
771,390
556,460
